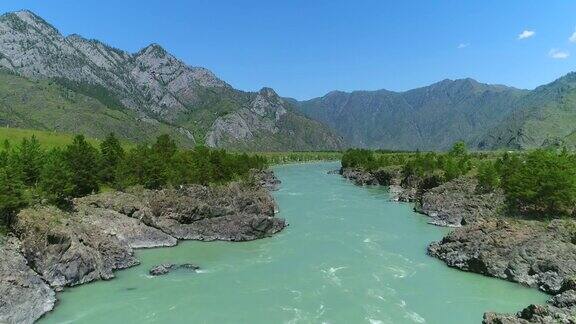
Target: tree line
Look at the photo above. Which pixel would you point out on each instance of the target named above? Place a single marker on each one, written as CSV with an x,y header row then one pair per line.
x,y
30,174
539,183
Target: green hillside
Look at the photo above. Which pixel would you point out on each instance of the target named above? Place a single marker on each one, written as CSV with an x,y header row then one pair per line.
x,y
544,117
46,105
47,139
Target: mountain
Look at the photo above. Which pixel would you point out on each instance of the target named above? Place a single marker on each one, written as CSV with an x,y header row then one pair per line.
x,y
151,90
544,117
427,118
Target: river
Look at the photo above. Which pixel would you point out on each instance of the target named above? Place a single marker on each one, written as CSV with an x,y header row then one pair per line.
x,y
349,256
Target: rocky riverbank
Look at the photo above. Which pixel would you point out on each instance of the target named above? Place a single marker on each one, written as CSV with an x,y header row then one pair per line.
x,y
51,249
539,254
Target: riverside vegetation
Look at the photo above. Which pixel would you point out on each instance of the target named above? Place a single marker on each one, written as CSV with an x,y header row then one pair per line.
x,y
73,214
30,174
514,213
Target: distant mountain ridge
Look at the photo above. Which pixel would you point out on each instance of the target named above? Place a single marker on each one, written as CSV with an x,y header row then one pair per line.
x,y
427,118
156,89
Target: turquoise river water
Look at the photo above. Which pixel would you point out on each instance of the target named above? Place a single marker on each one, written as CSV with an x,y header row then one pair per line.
x,y
349,256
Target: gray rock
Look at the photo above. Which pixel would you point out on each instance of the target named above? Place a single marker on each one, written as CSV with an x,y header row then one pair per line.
x,y
266,178
526,252
24,296
405,190
560,309
129,230
457,203
359,177
235,212
166,268
66,251
161,269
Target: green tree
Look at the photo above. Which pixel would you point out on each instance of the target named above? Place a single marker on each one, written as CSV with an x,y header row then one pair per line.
x,y
165,147
82,160
541,183
29,156
201,165
111,153
359,158
458,149
488,178
142,166
11,195
57,180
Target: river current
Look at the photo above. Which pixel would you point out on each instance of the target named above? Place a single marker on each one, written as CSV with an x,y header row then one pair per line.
x,y
349,256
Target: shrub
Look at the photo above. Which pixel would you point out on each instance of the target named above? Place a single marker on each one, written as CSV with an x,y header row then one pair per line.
x,y
488,178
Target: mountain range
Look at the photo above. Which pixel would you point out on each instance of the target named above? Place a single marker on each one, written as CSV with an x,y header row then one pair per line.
x,y
72,84
485,116
429,118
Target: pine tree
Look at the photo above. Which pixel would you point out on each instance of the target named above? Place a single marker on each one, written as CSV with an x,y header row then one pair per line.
x,y
11,195
112,154
165,147
82,160
56,180
29,158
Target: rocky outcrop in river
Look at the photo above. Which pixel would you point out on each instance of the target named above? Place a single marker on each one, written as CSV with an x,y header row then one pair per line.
x,y
236,212
532,253
53,249
166,268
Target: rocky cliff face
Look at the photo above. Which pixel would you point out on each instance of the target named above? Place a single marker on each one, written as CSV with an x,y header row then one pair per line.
x,y
24,296
159,88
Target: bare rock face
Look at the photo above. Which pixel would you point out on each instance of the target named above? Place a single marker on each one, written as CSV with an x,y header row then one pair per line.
x,y
147,81
24,296
457,203
359,177
128,230
234,212
65,251
230,213
404,190
266,178
262,115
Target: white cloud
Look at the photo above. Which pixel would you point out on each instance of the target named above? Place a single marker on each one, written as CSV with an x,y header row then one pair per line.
x,y
572,38
558,54
463,45
526,34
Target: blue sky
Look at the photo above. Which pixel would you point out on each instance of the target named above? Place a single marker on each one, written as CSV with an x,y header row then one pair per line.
x,y
304,49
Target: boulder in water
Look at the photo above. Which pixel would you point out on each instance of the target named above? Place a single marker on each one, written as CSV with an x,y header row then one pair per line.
x,y
166,268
